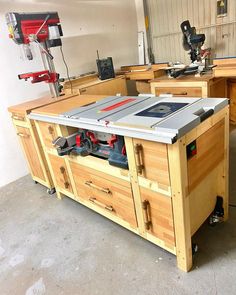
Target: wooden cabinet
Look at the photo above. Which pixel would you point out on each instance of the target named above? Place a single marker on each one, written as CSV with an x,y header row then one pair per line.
x,y
107,192
30,140
93,85
164,196
190,86
31,152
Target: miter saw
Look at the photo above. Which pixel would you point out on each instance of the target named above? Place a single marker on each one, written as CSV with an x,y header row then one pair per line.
x,y
43,29
193,43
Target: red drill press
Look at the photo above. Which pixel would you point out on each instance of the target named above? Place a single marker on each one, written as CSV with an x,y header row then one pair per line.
x,y
44,29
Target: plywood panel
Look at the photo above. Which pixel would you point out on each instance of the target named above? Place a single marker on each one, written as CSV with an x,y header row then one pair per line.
x,y
210,152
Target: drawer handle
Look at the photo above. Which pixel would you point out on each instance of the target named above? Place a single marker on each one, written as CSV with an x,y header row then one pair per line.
x,y
147,221
63,172
51,131
23,135
137,150
181,93
102,189
14,117
96,202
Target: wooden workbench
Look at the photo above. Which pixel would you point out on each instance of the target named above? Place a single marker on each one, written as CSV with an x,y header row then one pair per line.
x,y
91,84
164,197
226,67
204,86
142,74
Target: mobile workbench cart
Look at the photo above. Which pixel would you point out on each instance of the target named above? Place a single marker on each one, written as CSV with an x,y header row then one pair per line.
x,y
156,166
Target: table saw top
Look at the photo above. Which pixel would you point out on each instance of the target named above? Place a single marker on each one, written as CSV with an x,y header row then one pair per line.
x,y
161,119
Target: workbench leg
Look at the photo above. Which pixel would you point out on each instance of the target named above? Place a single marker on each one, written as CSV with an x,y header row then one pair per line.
x,y
59,195
223,181
180,203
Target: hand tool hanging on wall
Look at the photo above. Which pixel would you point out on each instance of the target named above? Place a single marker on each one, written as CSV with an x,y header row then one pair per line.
x,y
43,29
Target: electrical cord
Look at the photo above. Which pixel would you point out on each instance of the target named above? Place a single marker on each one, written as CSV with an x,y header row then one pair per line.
x,y
67,69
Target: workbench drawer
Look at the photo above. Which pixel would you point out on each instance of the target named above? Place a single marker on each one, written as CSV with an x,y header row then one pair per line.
x,y
18,119
112,194
30,152
61,175
48,133
180,91
158,217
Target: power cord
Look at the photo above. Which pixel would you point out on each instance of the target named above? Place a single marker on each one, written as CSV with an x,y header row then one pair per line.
x,y
67,69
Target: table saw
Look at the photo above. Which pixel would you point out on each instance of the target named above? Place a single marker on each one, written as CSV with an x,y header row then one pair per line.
x,y
176,153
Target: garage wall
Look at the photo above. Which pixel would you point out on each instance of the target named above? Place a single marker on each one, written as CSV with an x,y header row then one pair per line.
x,y
109,26
167,15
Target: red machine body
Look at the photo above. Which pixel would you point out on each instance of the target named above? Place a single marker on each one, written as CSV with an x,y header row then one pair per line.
x,y
31,27
45,76
43,29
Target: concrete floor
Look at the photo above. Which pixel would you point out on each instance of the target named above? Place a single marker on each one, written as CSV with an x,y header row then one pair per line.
x,y
57,247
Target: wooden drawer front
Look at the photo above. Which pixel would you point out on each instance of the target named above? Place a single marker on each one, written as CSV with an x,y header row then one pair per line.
x,y
110,87
105,191
180,91
30,152
60,172
49,133
210,151
152,161
157,212
18,119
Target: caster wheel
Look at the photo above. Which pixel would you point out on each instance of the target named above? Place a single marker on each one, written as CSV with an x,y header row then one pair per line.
x,y
36,182
213,220
51,191
194,248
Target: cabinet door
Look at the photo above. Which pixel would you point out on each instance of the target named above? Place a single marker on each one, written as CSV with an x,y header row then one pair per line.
x,y
60,173
30,152
152,161
48,132
157,212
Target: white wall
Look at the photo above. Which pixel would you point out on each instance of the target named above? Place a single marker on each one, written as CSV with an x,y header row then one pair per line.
x,y
109,26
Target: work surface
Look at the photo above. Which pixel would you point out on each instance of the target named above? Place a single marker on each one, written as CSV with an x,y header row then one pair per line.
x,y
60,247
160,119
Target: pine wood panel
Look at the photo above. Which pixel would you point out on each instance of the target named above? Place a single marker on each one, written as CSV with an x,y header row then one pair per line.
x,y
49,133
160,215
210,151
232,96
154,158
109,87
30,152
26,107
61,175
68,104
107,190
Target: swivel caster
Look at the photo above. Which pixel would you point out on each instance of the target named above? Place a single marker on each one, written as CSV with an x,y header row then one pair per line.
x,y
36,182
194,248
51,191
